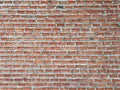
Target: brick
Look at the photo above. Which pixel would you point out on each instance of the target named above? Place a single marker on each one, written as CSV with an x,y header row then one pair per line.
x,y
59,45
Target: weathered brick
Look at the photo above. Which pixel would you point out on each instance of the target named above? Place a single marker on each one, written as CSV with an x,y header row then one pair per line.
x,y
59,45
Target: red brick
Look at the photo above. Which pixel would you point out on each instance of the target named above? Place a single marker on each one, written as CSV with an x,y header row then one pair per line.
x,y
59,45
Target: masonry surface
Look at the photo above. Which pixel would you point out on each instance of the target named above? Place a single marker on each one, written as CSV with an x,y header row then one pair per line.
x,y
59,45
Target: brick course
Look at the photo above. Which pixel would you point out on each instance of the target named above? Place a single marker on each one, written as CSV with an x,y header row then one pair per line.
x,y
59,45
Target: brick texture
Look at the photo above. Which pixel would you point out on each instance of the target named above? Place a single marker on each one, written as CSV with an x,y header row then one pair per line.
x,y
59,45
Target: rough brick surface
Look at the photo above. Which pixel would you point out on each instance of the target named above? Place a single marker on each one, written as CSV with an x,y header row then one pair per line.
x,y
59,45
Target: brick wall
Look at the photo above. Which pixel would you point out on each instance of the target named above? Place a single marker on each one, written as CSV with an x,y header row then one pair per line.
x,y
59,45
